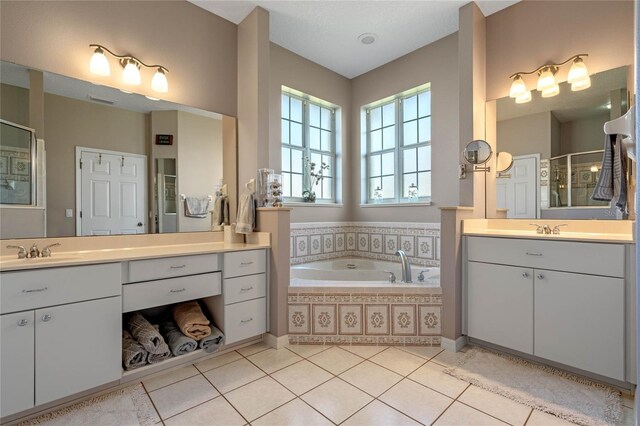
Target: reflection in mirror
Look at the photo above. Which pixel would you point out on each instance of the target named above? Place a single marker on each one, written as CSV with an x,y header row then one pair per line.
x,y
477,152
504,162
557,147
116,162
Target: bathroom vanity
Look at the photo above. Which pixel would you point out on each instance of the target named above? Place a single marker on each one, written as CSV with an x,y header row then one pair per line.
x,y
62,318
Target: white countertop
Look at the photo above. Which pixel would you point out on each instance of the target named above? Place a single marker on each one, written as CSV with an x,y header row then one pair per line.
x,y
563,236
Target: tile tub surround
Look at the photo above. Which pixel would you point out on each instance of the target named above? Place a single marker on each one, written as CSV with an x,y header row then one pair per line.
x,y
358,316
310,242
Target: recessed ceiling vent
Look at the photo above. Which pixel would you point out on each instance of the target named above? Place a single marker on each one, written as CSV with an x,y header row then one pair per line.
x,y
367,38
104,101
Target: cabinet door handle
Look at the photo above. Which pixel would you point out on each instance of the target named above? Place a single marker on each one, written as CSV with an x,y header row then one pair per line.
x,y
246,288
246,321
531,253
540,277
35,290
46,318
178,290
23,322
246,263
178,267
525,275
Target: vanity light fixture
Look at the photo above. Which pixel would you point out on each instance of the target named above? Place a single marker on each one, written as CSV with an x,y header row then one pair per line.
x,y
547,84
99,65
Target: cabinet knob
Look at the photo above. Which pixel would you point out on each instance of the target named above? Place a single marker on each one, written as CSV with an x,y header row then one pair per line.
x,y
525,275
23,322
540,276
46,318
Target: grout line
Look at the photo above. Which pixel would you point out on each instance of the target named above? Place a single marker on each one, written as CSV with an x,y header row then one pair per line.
x,y
173,383
189,409
401,412
317,411
222,395
428,359
449,406
221,365
152,403
528,417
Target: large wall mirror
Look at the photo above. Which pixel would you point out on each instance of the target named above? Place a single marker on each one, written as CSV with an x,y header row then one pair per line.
x,y
557,146
103,161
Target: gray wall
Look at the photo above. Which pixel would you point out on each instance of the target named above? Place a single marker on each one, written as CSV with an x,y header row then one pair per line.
x,y
526,135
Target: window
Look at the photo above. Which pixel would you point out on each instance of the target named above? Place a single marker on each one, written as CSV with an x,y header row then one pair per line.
x,y
398,147
308,134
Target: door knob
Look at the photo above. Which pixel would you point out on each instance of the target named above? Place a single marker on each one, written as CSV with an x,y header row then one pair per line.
x,y
23,322
46,318
525,275
139,223
540,277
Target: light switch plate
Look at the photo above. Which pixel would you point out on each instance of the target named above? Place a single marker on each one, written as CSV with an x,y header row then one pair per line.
x,y
69,213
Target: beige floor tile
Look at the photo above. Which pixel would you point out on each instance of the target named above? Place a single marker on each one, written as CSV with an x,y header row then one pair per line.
x,y
426,352
379,414
538,418
495,405
448,358
274,359
232,376
416,401
432,375
253,349
203,415
301,377
460,414
293,413
628,400
336,399
364,351
259,397
157,382
178,397
306,351
218,361
371,378
336,360
399,361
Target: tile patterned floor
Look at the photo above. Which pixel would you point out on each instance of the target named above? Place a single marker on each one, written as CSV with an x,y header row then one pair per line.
x,y
327,385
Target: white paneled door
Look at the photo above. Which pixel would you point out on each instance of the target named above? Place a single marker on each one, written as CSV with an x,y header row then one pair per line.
x,y
111,194
518,193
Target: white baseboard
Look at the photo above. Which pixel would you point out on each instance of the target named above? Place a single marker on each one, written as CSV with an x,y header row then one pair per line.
x,y
275,342
453,345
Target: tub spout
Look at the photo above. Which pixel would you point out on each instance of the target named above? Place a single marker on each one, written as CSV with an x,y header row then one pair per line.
x,y
406,266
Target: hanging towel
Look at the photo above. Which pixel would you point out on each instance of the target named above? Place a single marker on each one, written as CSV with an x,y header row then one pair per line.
x,y
246,213
133,354
196,207
179,344
612,182
212,342
221,211
191,320
150,338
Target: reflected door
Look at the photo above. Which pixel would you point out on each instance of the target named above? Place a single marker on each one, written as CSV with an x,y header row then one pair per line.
x,y
518,192
113,193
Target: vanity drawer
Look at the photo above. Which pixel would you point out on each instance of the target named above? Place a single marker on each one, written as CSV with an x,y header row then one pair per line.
x,y
24,290
585,258
169,267
173,290
247,262
244,288
244,320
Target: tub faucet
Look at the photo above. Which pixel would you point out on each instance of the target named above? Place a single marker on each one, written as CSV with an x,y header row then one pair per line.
x,y
406,266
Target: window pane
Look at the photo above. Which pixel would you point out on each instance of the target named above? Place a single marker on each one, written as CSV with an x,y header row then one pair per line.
x,y
296,110
425,129
424,103
326,140
410,108
329,161
373,184
375,118
388,187
286,184
296,185
389,114
286,160
376,141
407,180
375,168
314,115
316,158
424,158
296,161
424,184
389,137
314,138
327,188
410,133
409,163
296,134
325,118
388,163
285,131
285,106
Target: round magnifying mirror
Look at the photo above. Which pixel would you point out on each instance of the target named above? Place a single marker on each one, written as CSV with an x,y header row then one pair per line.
x,y
477,152
504,161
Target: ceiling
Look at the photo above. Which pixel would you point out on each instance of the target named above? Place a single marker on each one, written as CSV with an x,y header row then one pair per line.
x,y
326,32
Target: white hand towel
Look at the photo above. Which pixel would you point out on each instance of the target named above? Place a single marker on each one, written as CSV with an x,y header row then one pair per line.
x,y
196,207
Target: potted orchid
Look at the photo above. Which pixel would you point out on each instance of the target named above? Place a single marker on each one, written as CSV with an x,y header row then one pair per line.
x,y
316,174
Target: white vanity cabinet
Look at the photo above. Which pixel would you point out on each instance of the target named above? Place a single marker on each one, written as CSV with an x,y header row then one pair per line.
x,y
61,332
561,301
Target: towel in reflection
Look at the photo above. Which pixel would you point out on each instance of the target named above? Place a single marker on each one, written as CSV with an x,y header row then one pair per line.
x,y
221,211
212,342
191,320
147,335
197,207
133,354
179,344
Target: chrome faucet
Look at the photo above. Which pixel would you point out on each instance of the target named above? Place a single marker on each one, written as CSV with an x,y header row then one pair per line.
x,y
46,251
546,229
406,266
33,251
556,229
22,252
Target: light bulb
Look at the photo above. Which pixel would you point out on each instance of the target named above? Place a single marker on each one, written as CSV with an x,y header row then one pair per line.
x,y
524,98
131,73
546,80
578,72
581,85
594,169
551,91
518,88
159,82
99,63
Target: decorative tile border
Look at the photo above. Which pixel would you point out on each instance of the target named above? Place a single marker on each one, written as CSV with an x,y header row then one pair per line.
x,y
311,242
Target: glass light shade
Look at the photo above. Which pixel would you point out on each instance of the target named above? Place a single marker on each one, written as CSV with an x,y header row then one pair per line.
x,y
159,82
99,64
546,80
551,92
131,73
581,85
524,98
518,88
578,72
